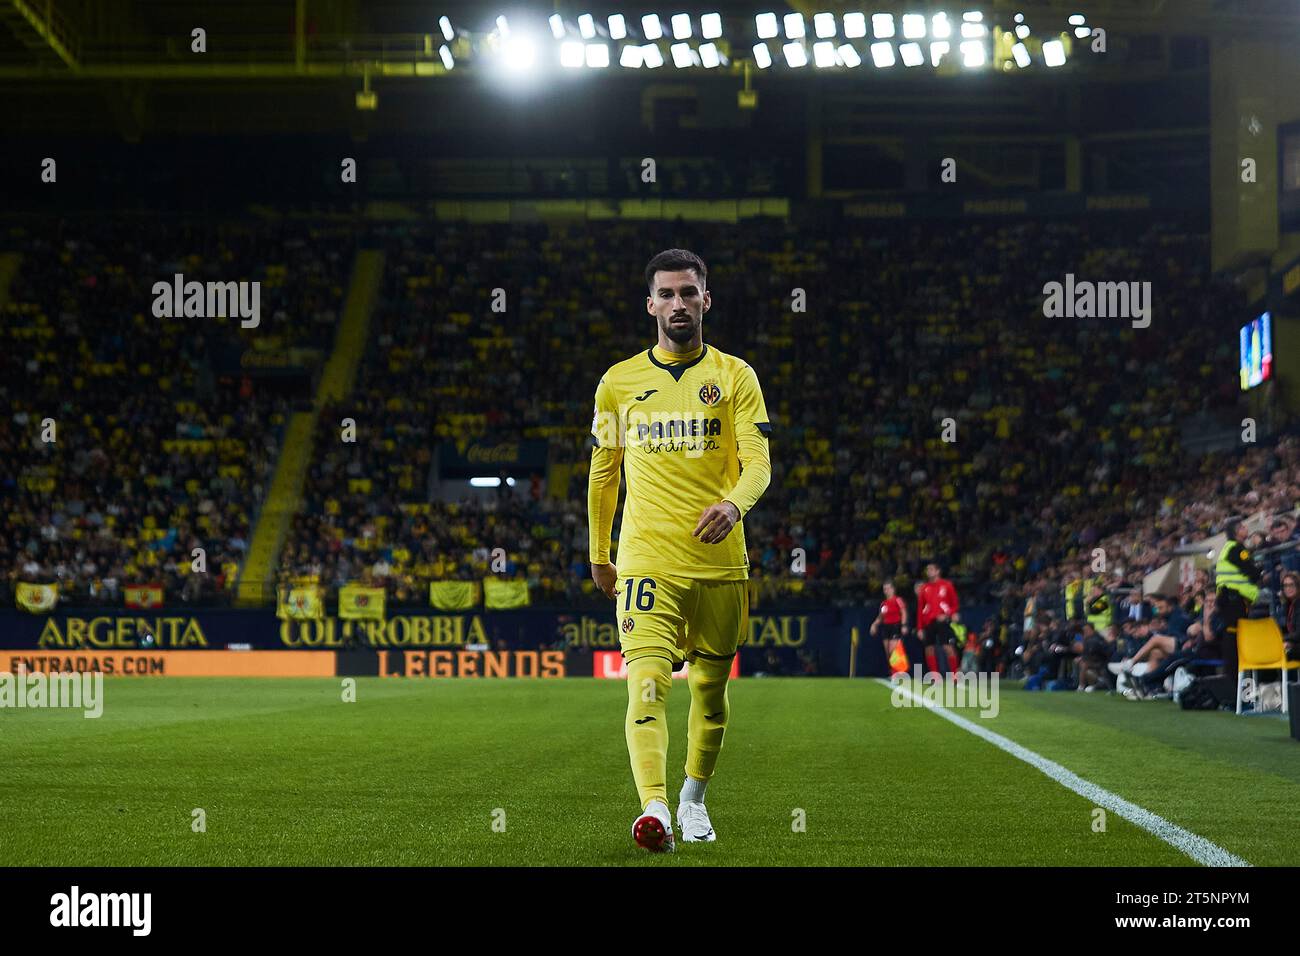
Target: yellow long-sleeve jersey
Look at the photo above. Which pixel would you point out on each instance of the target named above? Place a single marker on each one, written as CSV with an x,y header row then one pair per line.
x,y
690,430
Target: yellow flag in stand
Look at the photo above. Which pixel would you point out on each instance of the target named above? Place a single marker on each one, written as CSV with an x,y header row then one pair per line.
x,y
502,595
453,595
357,602
37,598
301,604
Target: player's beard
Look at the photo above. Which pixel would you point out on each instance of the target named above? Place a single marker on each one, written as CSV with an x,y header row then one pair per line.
x,y
681,334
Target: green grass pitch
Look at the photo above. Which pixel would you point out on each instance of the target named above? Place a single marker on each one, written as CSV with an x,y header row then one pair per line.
x,y
416,771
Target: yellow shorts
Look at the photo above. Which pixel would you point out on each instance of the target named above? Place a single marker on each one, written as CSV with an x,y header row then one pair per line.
x,y
680,618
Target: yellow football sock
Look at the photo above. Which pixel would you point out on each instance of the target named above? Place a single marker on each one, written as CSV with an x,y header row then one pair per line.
x,y
708,718
648,681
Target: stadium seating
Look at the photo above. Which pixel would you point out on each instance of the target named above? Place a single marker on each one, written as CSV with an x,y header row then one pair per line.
x,y
162,444
906,326
900,334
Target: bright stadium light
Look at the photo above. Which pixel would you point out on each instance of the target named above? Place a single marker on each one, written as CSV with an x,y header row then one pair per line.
x,y
652,57
444,51
795,55
518,53
911,54
794,26
973,16
855,25
597,55
762,56
617,26
973,31
651,28
587,26
681,26
1082,33
767,26
972,54
1054,53
824,24
557,26
913,25
882,54
823,54
711,26
849,56
940,28
489,482
1019,18
709,55
572,55
1021,54
681,55
1077,19
448,33
1022,31
938,50
502,26
882,25
630,57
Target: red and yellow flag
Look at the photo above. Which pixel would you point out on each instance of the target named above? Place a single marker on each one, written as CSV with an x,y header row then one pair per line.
x,y
143,595
898,663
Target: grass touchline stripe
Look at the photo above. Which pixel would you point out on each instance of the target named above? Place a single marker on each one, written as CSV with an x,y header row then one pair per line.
x,y
1197,847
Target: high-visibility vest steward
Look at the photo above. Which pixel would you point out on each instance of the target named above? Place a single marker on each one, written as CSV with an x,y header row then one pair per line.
x,y
1236,572
1099,613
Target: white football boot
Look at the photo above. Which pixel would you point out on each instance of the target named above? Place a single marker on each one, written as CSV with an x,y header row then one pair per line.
x,y
653,829
693,820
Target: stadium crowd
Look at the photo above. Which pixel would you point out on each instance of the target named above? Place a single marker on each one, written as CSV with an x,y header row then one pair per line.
x,y
1097,641
1062,433
1066,434
161,443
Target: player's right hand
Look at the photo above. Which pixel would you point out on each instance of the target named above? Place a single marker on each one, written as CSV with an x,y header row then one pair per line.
x,y
606,577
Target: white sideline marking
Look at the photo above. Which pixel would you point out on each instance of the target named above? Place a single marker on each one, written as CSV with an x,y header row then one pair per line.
x,y
1185,841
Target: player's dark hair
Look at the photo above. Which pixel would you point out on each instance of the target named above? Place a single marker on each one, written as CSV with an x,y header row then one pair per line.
x,y
676,260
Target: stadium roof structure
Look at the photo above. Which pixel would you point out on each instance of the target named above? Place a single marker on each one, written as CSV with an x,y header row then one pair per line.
x,y
151,39
128,67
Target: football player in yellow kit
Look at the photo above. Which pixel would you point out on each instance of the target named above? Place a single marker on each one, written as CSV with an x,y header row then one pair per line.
x,y
687,425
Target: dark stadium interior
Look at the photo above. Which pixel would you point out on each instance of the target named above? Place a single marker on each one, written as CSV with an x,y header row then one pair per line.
x,y
357,398
1071,437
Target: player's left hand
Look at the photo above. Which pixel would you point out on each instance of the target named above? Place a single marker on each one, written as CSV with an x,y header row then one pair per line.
x,y
716,522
